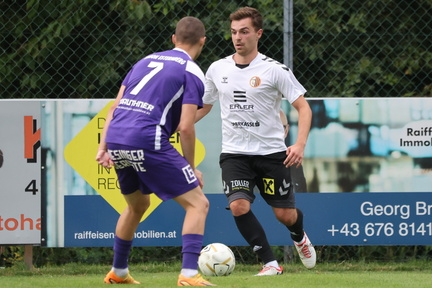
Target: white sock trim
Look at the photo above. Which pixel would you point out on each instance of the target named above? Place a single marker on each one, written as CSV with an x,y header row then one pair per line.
x,y
189,272
121,272
273,263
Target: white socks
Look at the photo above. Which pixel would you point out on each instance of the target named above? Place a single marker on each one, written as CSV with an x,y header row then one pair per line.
x,y
121,272
189,272
273,263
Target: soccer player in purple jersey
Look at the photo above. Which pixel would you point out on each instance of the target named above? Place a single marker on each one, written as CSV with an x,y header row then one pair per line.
x,y
159,96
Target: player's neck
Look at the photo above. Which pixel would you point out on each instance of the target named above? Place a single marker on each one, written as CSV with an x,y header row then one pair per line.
x,y
244,59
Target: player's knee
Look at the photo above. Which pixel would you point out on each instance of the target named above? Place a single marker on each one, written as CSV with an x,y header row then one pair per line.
x,y
202,204
205,205
239,207
286,216
139,208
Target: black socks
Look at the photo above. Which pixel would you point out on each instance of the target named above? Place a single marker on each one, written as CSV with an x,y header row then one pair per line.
x,y
296,230
254,234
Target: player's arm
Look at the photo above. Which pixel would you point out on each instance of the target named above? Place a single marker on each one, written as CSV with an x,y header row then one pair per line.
x,y
186,129
210,96
295,153
284,120
102,156
203,112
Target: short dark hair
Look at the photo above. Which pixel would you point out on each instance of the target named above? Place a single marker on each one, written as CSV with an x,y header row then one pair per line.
x,y
248,12
189,30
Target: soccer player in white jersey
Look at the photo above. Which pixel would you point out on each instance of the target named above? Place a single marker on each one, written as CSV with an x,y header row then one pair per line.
x,y
159,95
250,87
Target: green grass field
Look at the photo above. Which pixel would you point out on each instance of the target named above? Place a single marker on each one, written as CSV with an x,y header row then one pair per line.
x,y
347,274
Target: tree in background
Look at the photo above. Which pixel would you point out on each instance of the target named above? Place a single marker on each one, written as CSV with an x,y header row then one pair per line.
x,y
363,48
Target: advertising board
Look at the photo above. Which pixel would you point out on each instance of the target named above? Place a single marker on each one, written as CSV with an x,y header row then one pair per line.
x,y
20,172
367,169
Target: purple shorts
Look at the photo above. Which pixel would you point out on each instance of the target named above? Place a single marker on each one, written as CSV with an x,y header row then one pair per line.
x,y
164,172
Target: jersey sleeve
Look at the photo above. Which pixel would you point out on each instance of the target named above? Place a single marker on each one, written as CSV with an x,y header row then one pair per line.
x,y
288,84
211,93
194,87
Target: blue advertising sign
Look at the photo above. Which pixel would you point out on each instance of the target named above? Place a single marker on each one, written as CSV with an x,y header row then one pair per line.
x,y
330,219
368,218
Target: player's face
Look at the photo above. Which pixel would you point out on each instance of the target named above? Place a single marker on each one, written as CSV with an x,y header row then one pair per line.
x,y
244,36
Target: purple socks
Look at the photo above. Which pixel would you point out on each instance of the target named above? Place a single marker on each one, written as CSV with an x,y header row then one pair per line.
x,y
121,252
192,245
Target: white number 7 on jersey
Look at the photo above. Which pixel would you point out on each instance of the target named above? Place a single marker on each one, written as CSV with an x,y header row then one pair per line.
x,y
158,66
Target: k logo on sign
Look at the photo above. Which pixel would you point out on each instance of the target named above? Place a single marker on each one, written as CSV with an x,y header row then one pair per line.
x,y
32,136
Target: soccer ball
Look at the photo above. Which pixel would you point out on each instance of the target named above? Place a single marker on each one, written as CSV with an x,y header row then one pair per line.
x,y
216,259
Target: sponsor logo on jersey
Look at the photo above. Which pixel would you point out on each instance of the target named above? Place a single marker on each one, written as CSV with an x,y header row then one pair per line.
x,y
225,188
245,124
189,174
255,81
126,158
284,189
224,80
239,107
240,96
167,58
269,186
240,185
135,105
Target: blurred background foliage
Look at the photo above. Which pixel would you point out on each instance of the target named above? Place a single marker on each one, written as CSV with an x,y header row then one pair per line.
x,y
83,48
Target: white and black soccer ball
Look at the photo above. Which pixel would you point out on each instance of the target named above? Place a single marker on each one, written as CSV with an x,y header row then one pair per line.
x,y
216,259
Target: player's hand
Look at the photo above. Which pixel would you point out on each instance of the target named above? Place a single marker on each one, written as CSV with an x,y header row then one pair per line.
x,y
103,158
199,176
294,156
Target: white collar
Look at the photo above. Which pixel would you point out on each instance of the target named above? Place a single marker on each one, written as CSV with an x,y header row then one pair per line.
x,y
181,50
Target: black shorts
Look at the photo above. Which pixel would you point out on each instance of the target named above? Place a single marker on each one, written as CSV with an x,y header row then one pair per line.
x,y
241,173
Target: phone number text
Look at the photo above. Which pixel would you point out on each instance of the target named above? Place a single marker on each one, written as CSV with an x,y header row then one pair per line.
x,y
381,229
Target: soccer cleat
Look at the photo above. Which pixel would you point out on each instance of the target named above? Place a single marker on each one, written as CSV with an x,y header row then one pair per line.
x,y
196,280
270,271
306,252
112,278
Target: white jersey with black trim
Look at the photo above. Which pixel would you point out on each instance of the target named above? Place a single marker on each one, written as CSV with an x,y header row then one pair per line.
x,y
250,101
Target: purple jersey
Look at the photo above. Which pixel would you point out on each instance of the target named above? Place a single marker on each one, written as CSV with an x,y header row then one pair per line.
x,y
156,87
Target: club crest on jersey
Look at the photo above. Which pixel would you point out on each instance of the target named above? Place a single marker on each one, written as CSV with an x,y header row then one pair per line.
x,y
255,81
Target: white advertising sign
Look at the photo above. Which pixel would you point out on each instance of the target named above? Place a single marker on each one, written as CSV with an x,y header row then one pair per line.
x,y
20,172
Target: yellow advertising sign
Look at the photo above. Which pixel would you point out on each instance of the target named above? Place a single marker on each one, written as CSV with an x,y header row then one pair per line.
x,y
81,151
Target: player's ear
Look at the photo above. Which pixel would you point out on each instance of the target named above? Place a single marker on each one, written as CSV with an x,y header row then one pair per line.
x,y
173,39
259,33
202,41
